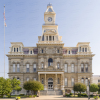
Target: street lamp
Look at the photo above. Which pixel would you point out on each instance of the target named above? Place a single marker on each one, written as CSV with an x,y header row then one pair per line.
x,y
89,88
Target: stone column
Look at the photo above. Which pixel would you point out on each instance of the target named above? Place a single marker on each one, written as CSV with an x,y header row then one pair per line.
x,y
39,77
45,87
48,37
56,82
62,77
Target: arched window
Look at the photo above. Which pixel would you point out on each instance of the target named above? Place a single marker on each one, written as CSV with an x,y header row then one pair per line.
x,y
82,67
86,81
13,67
27,79
58,81
86,67
72,81
49,38
42,66
17,49
42,50
27,67
34,67
82,49
14,50
17,78
58,51
58,65
82,80
53,38
18,68
65,67
72,67
50,61
42,81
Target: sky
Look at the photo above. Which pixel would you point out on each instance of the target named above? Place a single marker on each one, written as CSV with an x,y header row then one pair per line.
x,y
78,21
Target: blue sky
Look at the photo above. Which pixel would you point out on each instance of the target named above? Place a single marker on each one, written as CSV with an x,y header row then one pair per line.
x,y
78,21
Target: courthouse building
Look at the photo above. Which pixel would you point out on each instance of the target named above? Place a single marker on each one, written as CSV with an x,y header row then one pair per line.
x,y
57,67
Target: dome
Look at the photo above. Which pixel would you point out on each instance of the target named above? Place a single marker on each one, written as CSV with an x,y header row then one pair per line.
x,y
49,4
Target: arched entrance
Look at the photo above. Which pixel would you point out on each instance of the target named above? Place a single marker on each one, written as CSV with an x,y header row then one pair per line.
x,y
50,84
50,61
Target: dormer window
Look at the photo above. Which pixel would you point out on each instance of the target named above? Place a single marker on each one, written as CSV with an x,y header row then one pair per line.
x,y
14,49
42,50
30,52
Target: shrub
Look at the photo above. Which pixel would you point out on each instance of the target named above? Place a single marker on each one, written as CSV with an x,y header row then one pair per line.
x,y
34,95
9,96
84,94
1,96
71,93
66,94
22,94
96,97
30,96
79,95
91,95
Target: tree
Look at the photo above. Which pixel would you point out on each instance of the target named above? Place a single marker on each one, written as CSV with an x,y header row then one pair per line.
x,y
5,86
33,86
94,88
79,87
99,88
15,84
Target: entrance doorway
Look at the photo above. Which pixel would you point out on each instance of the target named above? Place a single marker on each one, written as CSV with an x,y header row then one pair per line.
x,y
50,84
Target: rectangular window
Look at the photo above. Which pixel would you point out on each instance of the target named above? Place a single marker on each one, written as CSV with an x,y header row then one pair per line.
x,y
58,81
13,67
85,49
72,67
18,68
34,67
80,49
27,68
49,38
53,38
65,81
72,81
65,67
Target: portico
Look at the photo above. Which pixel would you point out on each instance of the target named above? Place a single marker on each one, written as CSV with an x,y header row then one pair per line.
x,y
52,80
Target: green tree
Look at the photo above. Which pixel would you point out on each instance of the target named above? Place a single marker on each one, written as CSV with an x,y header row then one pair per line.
x,y
5,86
94,87
15,84
99,88
33,86
79,87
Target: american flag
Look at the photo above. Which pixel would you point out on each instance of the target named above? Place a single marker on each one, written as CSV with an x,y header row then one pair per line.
x,y
4,17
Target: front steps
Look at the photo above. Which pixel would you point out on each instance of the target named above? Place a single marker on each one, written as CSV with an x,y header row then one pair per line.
x,y
51,92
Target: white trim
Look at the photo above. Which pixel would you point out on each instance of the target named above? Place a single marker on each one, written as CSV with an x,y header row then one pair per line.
x,y
50,72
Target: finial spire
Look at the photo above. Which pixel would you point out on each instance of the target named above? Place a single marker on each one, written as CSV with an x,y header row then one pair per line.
x,y
49,4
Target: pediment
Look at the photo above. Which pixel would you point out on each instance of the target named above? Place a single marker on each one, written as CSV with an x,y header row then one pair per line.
x,y
50,32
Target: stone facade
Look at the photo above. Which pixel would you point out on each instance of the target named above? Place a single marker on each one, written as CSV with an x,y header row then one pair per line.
x,y
55,66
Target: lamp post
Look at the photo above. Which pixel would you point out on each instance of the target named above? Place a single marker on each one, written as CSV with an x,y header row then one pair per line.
x,y
89,88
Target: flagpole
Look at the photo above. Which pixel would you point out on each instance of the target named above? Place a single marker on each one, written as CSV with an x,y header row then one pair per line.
x,y
4,40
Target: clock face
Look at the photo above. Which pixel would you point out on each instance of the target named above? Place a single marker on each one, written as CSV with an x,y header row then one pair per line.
x,y
49,19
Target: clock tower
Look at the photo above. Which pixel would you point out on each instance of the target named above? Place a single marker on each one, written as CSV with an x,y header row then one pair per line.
x,y
49,28
49,15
